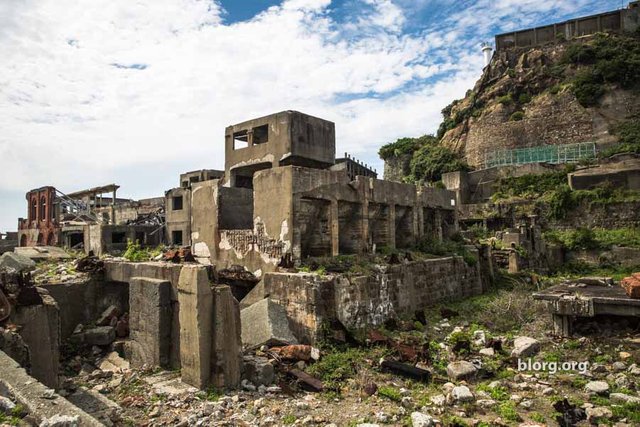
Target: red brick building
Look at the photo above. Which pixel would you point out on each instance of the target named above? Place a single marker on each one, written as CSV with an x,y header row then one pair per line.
x,y
41,227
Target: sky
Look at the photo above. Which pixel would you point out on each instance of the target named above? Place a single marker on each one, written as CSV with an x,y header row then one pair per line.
x,y
135,92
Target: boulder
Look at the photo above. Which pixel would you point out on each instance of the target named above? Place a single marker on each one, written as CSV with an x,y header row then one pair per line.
x,y
597,387
624,398
489,352
461,370
101,335
14,262
598,414
525,346
461,394
265,323
418,419
6,405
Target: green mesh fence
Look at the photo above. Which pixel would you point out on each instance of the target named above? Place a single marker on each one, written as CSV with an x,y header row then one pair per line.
x,y
569,153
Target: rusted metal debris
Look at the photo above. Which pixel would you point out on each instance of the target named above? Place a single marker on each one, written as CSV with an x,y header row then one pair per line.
x,y
90,264
307,381
406,370
296,352
631,286
180,255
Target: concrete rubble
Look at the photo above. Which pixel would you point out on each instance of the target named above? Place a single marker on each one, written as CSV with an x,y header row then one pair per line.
x,y
265,323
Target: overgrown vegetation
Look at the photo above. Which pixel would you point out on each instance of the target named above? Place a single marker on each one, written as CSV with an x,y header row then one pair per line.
x,y
136,253
604,60
584,238
554,195
432,160
429,160
628,133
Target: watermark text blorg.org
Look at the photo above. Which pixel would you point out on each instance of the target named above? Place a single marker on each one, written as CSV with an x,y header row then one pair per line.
x,y
552,367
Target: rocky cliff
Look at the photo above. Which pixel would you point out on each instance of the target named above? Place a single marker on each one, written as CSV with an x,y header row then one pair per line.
x,y
562,93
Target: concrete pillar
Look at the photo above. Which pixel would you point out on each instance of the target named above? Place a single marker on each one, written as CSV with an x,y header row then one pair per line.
x,y
366,244
335,228
226,352
562,325
392,226
438,224
196,321
113,207
150,321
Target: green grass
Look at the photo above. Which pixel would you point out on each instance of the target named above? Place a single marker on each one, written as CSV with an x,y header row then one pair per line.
x,y
507,410
136,253
390,393
630,411
289,419
499,393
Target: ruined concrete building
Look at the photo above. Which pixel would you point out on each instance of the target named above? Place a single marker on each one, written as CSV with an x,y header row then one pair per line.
x,y
88,219
284,198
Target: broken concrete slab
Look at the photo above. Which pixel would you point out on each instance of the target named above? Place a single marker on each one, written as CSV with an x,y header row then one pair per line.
x,y
108,315
150,321
169,384
101,408
17,263
196,325
101,335
112,362
42,253
41,402
266,323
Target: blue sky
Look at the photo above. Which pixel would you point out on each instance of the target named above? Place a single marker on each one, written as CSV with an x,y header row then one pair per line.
x,y
137,92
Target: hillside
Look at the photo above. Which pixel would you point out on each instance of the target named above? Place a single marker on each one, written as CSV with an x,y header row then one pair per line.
x,y
585,90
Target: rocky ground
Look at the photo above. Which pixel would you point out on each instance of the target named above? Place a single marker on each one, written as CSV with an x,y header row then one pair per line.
x,y
471,349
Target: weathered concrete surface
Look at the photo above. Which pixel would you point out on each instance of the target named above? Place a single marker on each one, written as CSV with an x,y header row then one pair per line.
x,y
31,394
226,362
42,253
14,346
395,291
265,323
150,321
96,405
82,302
196,322
16,262
40,330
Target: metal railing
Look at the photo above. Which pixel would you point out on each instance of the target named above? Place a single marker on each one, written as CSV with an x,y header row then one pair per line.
x,y
555,154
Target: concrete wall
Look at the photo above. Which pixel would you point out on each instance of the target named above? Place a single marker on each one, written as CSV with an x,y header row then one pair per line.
x,y
293,139
623,174
204,219
616,21
83,302
39,327
370,300
178,220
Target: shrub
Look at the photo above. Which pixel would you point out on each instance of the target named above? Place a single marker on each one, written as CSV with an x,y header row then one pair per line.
x,y
588,88
398,148
137,253
517,116
506,99
390,393
433,160
524,98
507,410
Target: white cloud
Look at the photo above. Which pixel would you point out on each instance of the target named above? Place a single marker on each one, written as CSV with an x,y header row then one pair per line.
x,y
136,92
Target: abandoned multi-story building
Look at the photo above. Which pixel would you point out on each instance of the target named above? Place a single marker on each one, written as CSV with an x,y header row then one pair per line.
x,y
284,197
89,219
